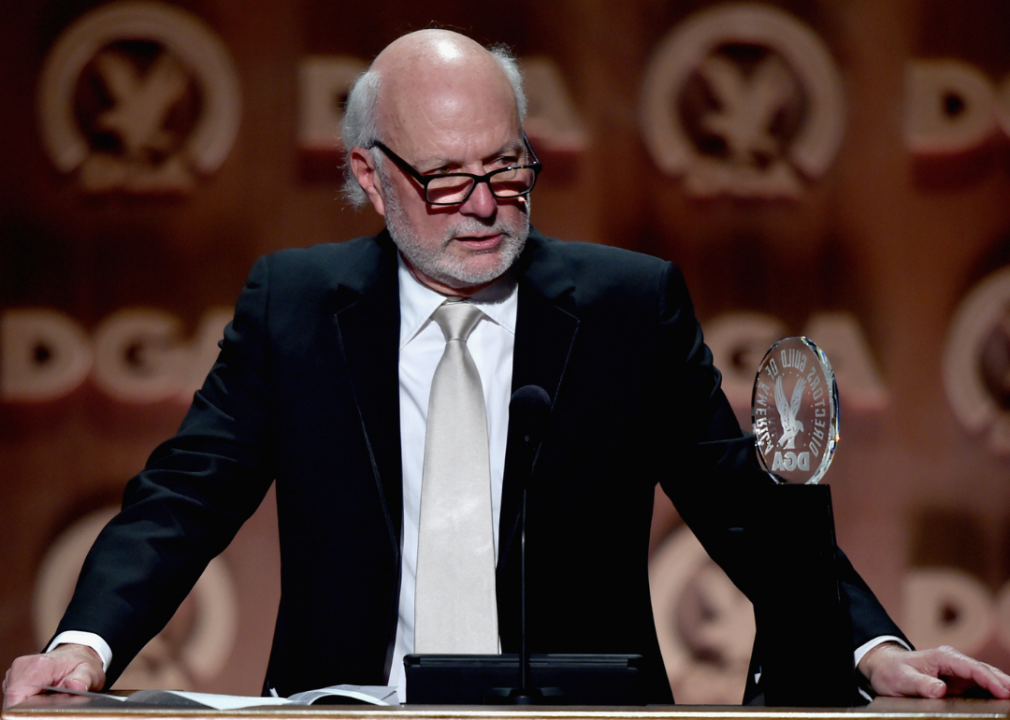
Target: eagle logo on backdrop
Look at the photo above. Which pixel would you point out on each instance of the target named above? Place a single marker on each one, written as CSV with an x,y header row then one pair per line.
x,y
743,100
140,97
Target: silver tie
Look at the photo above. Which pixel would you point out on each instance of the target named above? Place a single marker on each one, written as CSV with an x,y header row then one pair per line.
x,y
455,610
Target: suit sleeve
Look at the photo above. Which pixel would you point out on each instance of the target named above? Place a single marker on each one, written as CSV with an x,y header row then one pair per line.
x,y
188,502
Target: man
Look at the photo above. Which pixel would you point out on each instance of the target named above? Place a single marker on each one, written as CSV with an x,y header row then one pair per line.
x,y
323,386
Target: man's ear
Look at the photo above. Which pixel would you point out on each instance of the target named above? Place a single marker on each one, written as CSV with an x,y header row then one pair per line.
x,y
363,167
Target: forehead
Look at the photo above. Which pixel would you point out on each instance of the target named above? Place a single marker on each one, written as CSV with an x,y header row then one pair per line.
x,y
454,110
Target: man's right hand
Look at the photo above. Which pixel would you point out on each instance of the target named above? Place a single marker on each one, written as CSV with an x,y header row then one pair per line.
x,y
77,667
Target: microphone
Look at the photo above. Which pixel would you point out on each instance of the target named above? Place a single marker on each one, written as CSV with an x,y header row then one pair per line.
x,y
530,414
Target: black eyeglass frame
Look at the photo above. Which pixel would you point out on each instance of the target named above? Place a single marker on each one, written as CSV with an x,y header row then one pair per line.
x,y
425,180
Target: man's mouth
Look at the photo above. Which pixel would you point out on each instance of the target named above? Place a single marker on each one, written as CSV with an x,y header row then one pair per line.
x,y
478,243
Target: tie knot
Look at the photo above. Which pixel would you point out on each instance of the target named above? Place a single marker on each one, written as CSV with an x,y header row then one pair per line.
x,y
457,319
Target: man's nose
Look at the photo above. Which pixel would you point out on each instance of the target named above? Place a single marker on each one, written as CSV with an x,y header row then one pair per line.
x,y
481,202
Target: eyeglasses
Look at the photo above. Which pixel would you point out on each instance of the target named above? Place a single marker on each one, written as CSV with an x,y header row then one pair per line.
x,y
454,188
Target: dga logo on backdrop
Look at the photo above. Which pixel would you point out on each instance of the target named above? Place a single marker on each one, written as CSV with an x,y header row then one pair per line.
x,y
705,625
743,100
138,96
976,363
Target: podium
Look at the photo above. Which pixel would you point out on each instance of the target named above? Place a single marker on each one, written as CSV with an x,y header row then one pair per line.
x,y
66,707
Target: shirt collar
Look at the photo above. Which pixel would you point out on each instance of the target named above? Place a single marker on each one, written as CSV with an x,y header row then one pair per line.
x,y
499,302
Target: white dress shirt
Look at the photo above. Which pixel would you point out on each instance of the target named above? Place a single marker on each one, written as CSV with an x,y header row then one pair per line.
x,y
421,346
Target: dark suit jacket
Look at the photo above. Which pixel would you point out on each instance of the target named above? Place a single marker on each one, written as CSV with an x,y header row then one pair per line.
x,y
305,393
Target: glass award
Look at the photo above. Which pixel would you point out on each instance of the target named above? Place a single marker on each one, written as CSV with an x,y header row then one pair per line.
x,y
794,411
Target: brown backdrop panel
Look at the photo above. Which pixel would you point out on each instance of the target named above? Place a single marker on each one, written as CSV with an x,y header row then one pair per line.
x,y
893,242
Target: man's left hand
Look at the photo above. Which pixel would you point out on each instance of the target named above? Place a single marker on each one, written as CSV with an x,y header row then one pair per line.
x,y
892,670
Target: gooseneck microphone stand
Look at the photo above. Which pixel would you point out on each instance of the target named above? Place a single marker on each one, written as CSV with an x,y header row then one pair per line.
x,y
530,409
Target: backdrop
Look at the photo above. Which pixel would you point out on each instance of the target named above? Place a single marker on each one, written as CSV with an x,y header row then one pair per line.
x,y
832,168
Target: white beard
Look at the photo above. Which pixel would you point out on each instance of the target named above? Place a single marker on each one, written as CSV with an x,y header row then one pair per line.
x,y
446,268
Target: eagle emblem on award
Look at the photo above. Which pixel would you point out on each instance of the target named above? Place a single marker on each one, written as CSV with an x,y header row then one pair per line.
x,y
794,410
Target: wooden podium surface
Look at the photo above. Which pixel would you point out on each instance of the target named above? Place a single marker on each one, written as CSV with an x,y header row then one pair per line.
x,y
65,707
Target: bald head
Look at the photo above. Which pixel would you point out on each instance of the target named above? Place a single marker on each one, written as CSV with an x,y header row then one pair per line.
x,y
423,51
424,82
436,83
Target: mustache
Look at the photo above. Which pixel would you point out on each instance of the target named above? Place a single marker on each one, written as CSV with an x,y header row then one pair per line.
x,y
474,226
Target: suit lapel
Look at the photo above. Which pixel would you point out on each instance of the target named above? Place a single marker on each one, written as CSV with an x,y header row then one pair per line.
x,y
368,331
367,324
545,334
